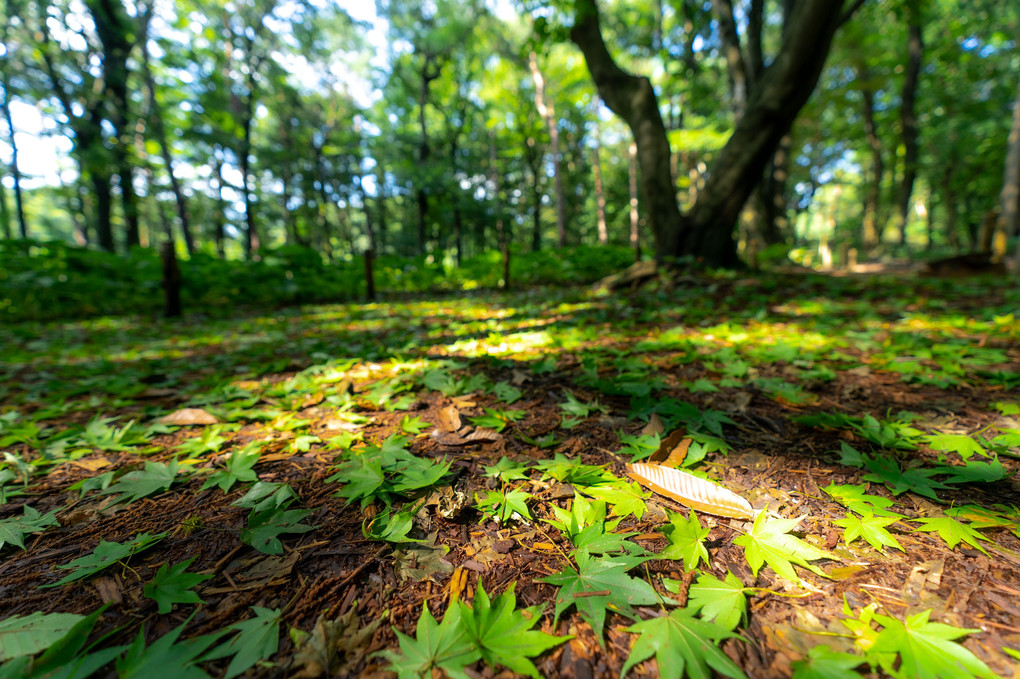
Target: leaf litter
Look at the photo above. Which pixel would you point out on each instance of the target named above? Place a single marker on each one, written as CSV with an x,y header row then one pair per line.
x,y
405,482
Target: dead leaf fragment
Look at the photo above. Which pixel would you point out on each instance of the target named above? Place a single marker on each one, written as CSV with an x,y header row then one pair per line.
x,y
188,416
449,419
691,491
654,426
334,646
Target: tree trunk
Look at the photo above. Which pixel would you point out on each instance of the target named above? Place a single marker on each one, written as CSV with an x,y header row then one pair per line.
x,y
873,194
600,195
104,204
5,215
156,120
706,232
171,280
908,121
502,232
735,66
430,70
635,238
1009,198
548,113
19,207
251,241
219,214
380,199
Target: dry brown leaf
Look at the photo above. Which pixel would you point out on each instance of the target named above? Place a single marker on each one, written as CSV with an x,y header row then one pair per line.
x,y
188,416
691,491
667,445
449,419
678,454
654,426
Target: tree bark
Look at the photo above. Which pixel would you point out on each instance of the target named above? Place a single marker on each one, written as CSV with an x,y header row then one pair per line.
x,y
156,120
635,236
908,120
632,98
548,113
1009,198
600,195
873,194
430,70
19,206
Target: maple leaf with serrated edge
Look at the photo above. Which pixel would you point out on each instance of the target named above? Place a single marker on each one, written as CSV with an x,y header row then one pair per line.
x,y
927,649
586,528
952,531
502,634
625,497
721,601
105,554
444,646
683,645
14,530
963,445
257,638
506,470
504,505
413,425
240,467
856,499
28,634
974,472
916,479
264,527
600,583
171,585
165,658
67,656
686,540
870,527
135,485
639,446
824,663
770,542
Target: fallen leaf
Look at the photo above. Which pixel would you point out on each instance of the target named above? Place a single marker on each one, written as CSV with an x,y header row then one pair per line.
x,y
449,419
188,416
654,426
691,491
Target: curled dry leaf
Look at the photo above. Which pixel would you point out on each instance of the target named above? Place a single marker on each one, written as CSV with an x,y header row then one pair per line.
x,y
188,416
449,419
687,489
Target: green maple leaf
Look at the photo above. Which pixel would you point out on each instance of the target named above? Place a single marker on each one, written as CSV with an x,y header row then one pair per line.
x,y
105,554
916,479
173,586
952,531
28,634
856,499
505,392
640,446
363,478
599,584
871,528
962,444
505,505
264,527
507,470
240,467
824,663
257,638
14,530
266,495
413,425
721,601
502,634
65,656
166,658
975,472
135,485
686,540
682,645
445,646
927,649
769,542
625,497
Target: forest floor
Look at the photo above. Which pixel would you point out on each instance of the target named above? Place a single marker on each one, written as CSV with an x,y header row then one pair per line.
x,y
280,494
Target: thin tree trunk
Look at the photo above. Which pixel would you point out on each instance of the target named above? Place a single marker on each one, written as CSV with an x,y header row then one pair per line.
x,y
908,121
600,195
430,71
1009,198
635,241
251,241
502,231
873,194
380,200
220,213
548,112
5,214
19,206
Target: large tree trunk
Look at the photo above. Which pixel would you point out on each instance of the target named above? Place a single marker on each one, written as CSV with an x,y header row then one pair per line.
x,y
908,121
548,113
706,232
